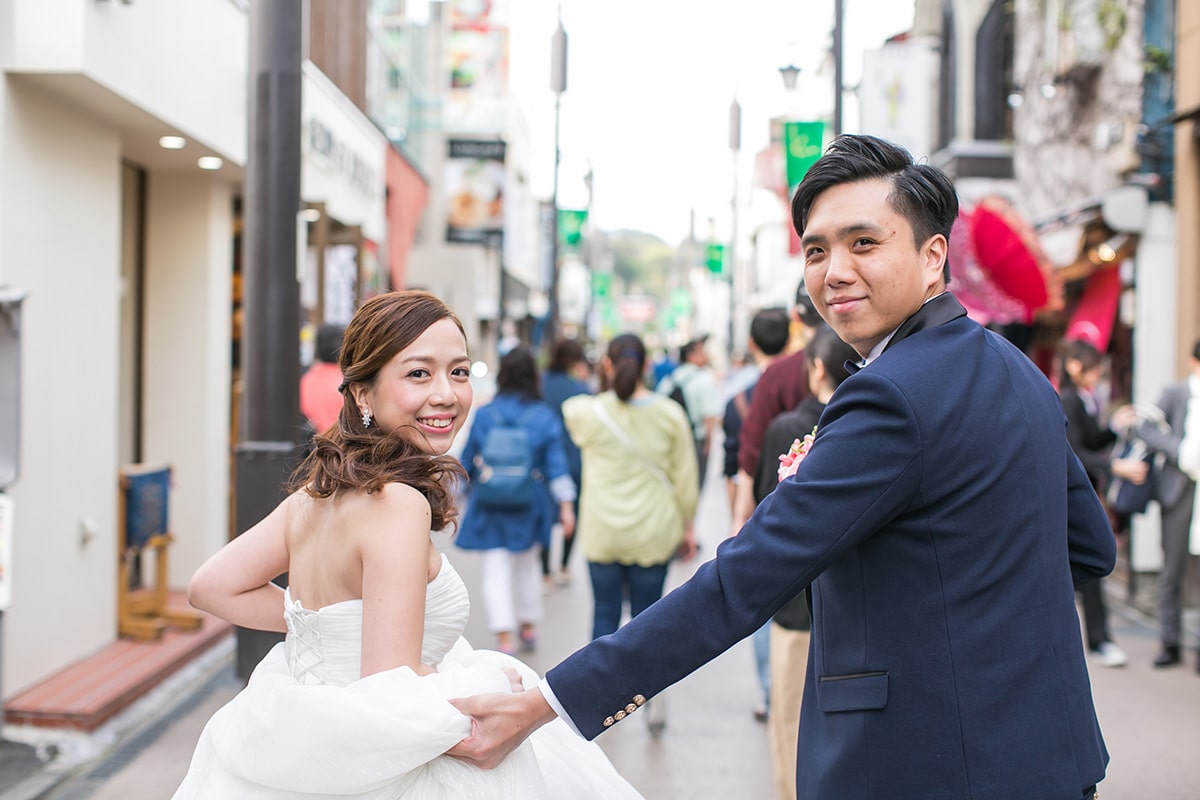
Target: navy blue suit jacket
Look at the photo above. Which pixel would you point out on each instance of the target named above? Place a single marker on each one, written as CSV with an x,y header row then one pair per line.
x,y
941,520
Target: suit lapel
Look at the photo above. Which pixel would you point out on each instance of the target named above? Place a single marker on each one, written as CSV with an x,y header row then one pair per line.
x,y
938,311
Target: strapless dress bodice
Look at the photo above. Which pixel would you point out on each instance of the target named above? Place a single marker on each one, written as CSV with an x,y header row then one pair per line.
x,y
324,646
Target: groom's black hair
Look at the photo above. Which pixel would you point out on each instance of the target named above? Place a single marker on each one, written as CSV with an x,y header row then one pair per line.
x,y
921,193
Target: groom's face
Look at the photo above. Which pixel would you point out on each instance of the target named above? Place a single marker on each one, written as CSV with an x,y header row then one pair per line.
x,y
862,268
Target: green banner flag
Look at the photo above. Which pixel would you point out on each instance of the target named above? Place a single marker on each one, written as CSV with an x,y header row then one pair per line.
x,y
714,257
570,226
602,284
801,147
678,310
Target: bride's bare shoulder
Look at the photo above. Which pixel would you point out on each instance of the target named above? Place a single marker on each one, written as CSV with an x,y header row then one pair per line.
x,y
393,503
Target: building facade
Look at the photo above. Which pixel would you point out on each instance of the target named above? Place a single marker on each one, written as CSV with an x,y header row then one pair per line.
x,y
123,141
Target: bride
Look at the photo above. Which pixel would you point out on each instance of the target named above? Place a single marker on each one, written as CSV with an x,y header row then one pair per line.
x,y
355,703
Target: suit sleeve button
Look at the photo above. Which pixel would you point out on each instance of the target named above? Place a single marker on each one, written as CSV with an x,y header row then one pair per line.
x,y
639,699
620,715
629,709
608,722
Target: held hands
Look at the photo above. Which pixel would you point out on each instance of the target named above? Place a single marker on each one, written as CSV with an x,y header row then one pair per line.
x,y
499,724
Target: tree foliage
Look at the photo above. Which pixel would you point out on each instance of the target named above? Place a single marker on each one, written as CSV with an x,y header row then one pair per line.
x,y
641,261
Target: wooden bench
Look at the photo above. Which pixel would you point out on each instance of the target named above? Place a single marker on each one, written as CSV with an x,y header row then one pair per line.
x,y
143,500
90,692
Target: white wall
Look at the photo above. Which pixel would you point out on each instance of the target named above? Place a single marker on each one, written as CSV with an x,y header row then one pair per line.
x,y
60,174
51,35
127,48
1155,331
189,234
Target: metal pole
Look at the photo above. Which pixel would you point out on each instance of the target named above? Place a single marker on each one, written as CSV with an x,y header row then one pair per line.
x,y
558,84
271,338
589,260
735,144
837,66
497,245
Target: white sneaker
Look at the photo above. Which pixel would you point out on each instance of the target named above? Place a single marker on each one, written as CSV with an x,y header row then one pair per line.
x,y
1111,656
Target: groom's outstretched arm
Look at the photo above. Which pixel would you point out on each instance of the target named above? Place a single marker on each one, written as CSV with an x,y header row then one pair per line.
x,y
499,723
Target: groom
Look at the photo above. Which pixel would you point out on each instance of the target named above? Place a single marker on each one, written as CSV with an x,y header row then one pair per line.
x,y
940,519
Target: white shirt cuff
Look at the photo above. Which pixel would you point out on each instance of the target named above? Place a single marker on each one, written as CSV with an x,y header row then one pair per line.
x,y
548,693
562,489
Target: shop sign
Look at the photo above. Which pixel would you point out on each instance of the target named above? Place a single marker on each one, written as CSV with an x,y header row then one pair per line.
x,y
356,169
474,181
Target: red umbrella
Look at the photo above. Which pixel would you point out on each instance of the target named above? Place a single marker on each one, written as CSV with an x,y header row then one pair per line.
x,y
1007,250
984,301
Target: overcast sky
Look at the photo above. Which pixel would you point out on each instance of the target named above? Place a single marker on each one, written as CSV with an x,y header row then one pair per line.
x,y
649,87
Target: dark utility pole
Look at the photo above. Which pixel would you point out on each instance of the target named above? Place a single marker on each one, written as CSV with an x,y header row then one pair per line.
x,y
735,144
558,84
838,35
271,333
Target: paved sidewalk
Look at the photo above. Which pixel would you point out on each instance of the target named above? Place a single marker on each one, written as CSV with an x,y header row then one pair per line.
x,y
712,747
69,757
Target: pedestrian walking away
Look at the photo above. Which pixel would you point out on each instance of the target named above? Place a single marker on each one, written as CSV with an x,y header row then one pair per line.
x,y
512,506
565,377
694,386
640,492
825,366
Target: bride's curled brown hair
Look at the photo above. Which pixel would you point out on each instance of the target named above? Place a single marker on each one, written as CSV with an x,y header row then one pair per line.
x,y
355,457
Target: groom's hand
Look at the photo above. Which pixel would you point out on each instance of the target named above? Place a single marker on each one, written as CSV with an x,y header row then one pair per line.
x,y
499,723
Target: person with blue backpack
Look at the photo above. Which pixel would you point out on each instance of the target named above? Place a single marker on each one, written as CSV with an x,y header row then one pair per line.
x,y
520,485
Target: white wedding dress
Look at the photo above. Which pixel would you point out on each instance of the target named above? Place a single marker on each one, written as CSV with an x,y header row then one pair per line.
x,y
306,725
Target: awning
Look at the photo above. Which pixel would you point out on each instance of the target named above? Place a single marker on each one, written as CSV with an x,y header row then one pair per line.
x,y
1122,209
1094,233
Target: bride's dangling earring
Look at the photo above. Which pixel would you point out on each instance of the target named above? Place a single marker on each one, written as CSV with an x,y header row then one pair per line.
x,y
366,418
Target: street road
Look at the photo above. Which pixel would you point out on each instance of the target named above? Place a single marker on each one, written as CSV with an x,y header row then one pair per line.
x,y
712,747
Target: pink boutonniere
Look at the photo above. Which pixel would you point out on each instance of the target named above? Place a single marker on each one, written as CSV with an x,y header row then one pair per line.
x,y
789,462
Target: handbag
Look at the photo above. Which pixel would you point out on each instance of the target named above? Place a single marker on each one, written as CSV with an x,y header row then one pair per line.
x,y
1122,496
1130,498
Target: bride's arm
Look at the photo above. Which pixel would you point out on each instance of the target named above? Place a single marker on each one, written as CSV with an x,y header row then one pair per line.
x,y
395,549
235,582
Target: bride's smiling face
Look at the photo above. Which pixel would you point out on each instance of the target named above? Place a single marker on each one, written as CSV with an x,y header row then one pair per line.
x,y
424,391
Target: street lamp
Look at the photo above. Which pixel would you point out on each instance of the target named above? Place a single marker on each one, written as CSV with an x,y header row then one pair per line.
x,y
790,73
735,144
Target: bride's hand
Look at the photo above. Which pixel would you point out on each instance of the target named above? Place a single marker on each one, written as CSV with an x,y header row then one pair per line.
x,y
514,679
